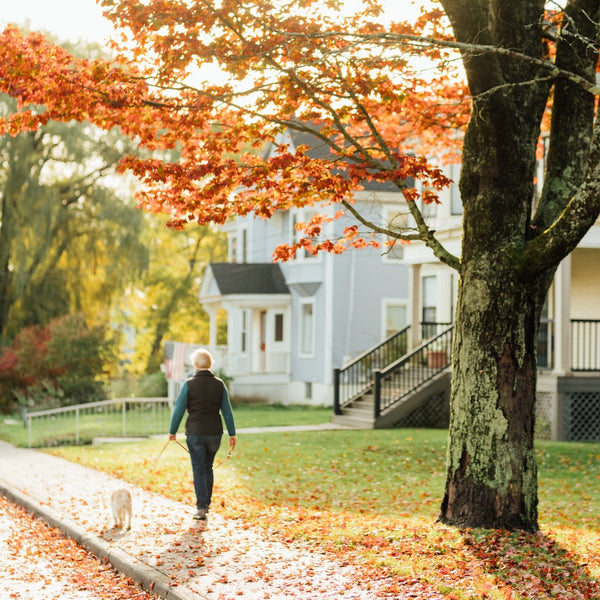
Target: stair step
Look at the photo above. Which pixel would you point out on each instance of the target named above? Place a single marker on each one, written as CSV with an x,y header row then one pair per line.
x,y
359,412
349,421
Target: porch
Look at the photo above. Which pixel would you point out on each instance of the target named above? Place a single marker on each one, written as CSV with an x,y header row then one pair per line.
x,y
388,386
249,335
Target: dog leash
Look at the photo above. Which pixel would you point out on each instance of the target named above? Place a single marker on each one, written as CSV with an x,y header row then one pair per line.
x,y
230,453
165,447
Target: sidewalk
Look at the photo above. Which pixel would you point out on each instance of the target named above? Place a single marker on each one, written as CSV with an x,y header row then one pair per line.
x,y
166,550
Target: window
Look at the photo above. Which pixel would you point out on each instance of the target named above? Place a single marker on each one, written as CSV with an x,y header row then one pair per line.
x,y
244,331
308,390
302,216
306,328
278,328
429,306
456,207
238,246
395,318
395,221
429,210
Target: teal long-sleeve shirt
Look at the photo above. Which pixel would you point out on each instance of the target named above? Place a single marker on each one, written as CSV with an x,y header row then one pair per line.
x,y
181,406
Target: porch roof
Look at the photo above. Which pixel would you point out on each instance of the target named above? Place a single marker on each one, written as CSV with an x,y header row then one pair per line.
x,y
249,278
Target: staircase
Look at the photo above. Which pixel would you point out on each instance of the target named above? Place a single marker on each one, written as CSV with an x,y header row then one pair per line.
x,y
386,383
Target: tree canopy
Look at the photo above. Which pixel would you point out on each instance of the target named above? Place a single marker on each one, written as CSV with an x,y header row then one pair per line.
x,y
391,99
63,221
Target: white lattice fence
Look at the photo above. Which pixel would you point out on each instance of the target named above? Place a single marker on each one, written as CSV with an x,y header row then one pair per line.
x,y
582,416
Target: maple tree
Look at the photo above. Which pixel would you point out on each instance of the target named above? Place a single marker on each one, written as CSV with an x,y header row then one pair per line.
x,y
220,79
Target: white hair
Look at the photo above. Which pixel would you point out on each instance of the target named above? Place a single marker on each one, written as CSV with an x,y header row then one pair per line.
x,y
201,359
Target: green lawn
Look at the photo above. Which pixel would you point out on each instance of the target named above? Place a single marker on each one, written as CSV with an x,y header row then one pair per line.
x,y
373,497
60,430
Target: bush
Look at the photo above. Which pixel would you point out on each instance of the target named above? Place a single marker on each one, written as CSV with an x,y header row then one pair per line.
x,y
8,379
52,366
153,385
75,356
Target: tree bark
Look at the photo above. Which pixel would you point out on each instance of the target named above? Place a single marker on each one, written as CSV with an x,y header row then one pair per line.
x,y
492,473
505,272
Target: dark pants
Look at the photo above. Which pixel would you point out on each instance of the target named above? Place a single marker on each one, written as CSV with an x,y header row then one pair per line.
x,y
203,449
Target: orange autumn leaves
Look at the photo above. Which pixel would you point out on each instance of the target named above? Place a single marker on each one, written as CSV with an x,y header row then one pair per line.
x,y
352,82
42,562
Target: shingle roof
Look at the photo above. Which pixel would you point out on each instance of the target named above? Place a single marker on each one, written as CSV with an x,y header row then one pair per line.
x,y
249,278
318,149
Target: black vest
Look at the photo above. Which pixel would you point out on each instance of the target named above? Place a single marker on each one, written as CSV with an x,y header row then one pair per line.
x,y
205,394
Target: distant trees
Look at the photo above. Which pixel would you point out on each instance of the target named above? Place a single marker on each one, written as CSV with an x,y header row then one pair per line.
x,y
53,365
164,304
70,234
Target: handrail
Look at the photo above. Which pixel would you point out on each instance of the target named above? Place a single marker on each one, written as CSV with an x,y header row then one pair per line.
x,y
116,417
355,378
585,345
411,371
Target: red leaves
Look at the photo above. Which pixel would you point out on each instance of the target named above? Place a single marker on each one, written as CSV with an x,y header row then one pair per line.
x,y
368,105
532,566
40,562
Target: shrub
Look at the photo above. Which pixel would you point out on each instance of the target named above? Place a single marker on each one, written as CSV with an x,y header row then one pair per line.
x,y
52,366
8,379
152,386
75,355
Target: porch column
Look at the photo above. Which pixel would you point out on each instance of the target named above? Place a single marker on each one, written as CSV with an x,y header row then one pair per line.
x,y
414,307
562,318
212,330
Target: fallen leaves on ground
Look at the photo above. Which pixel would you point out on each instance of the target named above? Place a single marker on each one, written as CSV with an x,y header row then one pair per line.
x,y
341,508
38,557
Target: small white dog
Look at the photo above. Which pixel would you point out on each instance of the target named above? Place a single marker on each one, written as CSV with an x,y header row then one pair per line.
x,y
120,501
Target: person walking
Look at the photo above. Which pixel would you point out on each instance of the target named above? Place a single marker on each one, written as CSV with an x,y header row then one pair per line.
x,y
206,399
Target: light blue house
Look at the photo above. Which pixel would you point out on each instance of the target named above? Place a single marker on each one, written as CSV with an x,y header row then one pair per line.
x,y
289,325
315,330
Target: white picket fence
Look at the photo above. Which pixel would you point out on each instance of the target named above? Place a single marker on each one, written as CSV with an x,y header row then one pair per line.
x,y
81,423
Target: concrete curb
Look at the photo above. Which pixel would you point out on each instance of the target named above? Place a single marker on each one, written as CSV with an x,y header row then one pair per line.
x,y
150,579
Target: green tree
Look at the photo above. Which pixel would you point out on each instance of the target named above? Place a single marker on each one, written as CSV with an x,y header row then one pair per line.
x,y
69,231
164,304
76,355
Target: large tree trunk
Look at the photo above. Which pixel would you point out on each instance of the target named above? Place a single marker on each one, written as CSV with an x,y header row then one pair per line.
x,y
492,474
506,269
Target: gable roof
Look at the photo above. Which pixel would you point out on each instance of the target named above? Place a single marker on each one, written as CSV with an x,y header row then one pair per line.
x,y
318,149
249,278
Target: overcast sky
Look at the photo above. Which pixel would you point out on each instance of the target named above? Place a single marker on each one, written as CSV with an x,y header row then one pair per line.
x,y
76,20
68,19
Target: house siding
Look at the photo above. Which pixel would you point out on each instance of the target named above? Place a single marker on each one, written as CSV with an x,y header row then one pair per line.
x,y
585,283
345,291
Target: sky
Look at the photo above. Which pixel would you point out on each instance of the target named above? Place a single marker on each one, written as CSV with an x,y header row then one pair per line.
x,y
71,20
76,20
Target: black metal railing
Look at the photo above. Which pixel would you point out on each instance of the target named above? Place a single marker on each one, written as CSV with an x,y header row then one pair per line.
x,y
430,329
545,344
410,372
585,345
355,378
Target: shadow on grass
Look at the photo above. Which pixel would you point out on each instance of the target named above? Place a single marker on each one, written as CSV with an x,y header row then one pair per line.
x,y
532,565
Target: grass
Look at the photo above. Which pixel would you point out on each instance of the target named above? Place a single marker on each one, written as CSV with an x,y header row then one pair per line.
x,y
372,497
60,430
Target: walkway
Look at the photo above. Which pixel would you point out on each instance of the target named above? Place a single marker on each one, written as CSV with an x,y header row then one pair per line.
x,y
166,550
